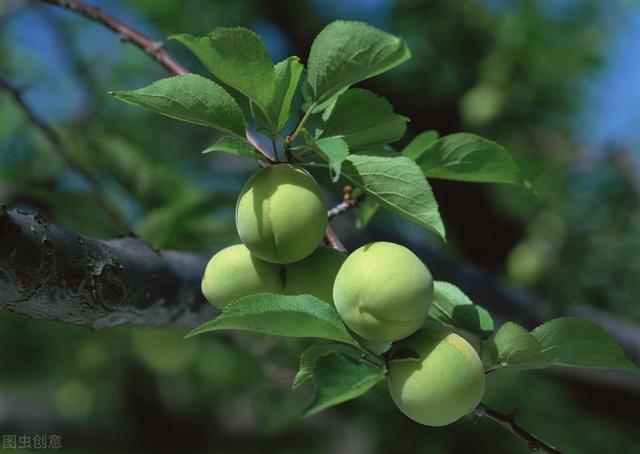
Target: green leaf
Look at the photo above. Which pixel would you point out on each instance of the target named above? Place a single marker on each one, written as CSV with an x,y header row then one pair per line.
x,y
363,119
451,306
235,146
516,348
420,144
334,150
287,74
346,52
319,107
339,378
190,98
281,315
365,212
239,58
396,182
309,356
572,341
468,157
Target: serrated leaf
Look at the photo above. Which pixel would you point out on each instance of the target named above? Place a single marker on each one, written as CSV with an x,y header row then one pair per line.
x,y
420,144
309,356
572,341
287,74
516,348
239,58
235,146
190,98
332,149
363,119
468,157
397,183
339,378
281,315
346,52
451,306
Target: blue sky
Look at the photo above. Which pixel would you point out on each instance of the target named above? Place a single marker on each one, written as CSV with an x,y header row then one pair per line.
x,y
612,112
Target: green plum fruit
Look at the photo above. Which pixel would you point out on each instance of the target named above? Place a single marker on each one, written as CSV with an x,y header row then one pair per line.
x,y
234,272
445,383
315,274
281,215
383,292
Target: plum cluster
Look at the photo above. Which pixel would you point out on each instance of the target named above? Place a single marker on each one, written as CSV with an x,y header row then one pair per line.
x,y
382,291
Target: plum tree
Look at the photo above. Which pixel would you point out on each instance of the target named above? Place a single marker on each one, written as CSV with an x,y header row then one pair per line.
x,y
383,292
315,274
234,272
281,214
445,383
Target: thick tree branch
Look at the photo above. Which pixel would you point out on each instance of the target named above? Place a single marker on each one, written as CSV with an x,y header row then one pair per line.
x,y
125,33
509,422
47,272
56,143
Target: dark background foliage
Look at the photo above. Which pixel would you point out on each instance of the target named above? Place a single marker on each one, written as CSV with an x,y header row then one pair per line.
x,y
557,84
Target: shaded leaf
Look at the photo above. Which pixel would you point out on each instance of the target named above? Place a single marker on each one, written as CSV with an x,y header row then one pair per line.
x,y
190,98
309,356
420,144
515,347
287,74
365,212
346,52
451,306
332,149
339,378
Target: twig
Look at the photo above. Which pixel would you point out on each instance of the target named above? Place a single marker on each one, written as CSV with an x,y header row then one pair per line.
x,y
332,240
509,422
56,143
126,33
345,206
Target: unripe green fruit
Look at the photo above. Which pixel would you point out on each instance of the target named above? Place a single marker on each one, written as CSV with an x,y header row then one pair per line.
x,y
314,275
234,272
446,383
281,215
383,292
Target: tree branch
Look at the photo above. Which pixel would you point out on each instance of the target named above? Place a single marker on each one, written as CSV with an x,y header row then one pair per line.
x,y
56,143
48,272
509,422
152,48
345,206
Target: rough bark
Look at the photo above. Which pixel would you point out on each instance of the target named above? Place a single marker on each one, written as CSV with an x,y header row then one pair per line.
x,y
48,272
